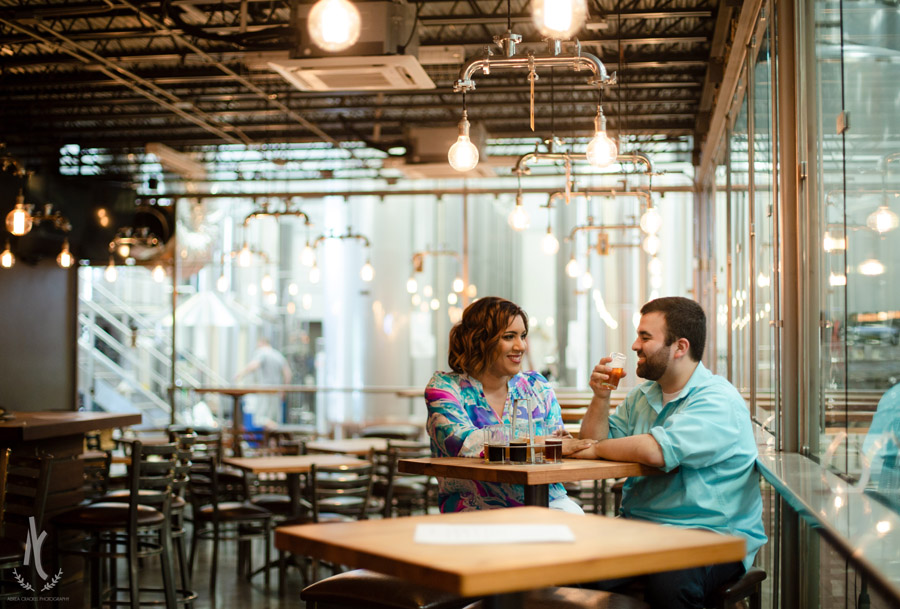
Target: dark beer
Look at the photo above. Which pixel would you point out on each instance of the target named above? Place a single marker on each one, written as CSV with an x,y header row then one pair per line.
x,y
518,451
496,453
552,450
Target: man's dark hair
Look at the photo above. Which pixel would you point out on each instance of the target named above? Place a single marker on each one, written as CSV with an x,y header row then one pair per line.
x,y
684,319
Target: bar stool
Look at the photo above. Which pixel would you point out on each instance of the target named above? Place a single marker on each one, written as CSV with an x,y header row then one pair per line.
x,y
140,524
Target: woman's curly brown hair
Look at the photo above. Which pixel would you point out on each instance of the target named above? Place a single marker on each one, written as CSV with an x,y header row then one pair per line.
x,y
474,339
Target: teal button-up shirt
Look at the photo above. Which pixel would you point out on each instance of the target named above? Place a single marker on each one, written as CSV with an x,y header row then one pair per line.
x,y
706,436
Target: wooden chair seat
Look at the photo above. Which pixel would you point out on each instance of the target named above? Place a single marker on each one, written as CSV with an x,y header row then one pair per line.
x,y
364,589
574,598
234,511
108,515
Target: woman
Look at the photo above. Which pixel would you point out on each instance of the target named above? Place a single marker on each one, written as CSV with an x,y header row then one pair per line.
x,y
486,351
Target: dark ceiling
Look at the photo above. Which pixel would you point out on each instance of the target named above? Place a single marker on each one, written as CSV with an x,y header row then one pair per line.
x,y
118,74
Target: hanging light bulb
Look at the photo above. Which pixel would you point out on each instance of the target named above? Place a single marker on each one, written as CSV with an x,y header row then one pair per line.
x,y
222,283
651,221
412,285
435,304
871,267
518,218
244,256
367,272
124,250
452,298
307,256
586,281
306,302
651,244
471,290
458,285
19,220
463,155
882,220
158,273
559,19
65,258
334,25
655,266
110,273
601,151
7,260
416,300
572,268
550,244
314,274
427,291
267,283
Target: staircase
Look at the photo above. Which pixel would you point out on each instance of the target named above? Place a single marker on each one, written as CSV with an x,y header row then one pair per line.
x,y
125,361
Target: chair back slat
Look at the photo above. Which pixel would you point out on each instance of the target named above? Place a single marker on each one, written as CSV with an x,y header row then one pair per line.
x,y
345,490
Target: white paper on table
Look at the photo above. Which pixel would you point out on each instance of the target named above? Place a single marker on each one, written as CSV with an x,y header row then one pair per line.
x,y
465,534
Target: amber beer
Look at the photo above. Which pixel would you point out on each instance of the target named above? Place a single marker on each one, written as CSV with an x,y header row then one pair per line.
x,y
618,371
552,450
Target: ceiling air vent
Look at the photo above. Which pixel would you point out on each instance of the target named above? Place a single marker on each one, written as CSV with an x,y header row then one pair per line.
x,y
379,73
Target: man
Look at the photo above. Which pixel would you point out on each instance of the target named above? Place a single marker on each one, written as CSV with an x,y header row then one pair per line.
x,y
271,368
692,425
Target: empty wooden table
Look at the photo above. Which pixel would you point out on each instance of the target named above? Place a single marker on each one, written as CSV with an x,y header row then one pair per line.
x,y
536,478
603,548
291,465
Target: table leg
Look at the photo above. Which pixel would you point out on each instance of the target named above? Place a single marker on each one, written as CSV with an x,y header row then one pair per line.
x,y
237,426
537,494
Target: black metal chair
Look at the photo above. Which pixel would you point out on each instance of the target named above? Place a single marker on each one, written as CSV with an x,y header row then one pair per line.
x,y
23,494
218,520
136,525
747,586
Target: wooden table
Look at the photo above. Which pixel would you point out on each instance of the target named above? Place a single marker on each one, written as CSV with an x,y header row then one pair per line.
x,y
536,478
604,548
356,446
293,466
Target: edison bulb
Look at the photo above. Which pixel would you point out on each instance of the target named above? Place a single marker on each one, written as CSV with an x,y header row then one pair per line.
x,y
65,258
267,283
19,221
222,283
158,273
458,285
559,19
550,244
110,273
334,25
367,272
882,220
572,268
411,285
651,221
463,155
601,151
7,260
244,256
307,256
314,274
124,250
651,244
518,218
586,281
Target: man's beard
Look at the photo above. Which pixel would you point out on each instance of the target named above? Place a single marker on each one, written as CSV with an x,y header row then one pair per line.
x,y
655,365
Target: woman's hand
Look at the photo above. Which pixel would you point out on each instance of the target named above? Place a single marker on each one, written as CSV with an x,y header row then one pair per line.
x,y
570,446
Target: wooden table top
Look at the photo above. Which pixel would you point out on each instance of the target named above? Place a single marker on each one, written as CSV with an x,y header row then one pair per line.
x,y
570,470
288,464
41,425
354,446
603,548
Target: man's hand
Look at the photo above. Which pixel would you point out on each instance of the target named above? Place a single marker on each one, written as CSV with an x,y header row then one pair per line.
x,y
598,375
